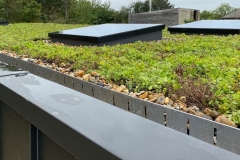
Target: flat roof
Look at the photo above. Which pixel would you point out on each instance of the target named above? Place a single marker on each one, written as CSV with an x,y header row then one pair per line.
x,y
219,27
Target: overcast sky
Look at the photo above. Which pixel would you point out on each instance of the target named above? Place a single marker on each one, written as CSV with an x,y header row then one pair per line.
x,y
194,4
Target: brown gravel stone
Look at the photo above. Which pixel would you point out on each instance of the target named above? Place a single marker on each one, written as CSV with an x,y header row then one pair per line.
x,y
224,120
121,88
166,100
114,87
174,97
213,114
183,99
94,73
144,95
39,61
78,73
192,112
150,97
200,114
125,91
86,77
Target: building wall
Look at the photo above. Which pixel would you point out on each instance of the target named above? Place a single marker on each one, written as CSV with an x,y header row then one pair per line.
x,y
168,17
188,14
185,14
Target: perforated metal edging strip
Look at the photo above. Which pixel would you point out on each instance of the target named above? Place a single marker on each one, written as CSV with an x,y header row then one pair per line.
x,y
221,135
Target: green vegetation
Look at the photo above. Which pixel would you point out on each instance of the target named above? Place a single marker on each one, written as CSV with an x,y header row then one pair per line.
x,y
218,13
205,69
73,11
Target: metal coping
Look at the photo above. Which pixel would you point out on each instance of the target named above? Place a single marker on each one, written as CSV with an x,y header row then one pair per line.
x,y
215,27
227,137
107,37
91,129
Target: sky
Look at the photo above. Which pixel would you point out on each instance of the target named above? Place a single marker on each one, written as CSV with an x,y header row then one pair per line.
x,y
193,4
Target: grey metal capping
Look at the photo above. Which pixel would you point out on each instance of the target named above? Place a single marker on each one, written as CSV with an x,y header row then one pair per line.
x,y
92,129
200,128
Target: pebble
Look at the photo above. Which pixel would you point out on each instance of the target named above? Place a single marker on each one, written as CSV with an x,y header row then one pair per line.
x,y
166,100
110,86
114,87
138,94
101,84
192,112
224,120
79,73
25,59
213,114
71,74
53,65
30,60
97,78
173,97
121,88
86,77
94,73
150,97
63,65
48,66
39,61
175,105
196,108
154,99
183,99
144,95
160,100
125,91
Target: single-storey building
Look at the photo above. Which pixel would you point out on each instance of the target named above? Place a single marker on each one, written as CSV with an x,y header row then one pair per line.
x,y
169,17
233,15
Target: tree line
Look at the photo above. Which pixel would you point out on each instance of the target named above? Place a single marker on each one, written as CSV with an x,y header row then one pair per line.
x,y
73,11
86,11
217,13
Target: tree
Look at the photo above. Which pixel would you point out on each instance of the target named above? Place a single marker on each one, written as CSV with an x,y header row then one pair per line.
x,y
219,12
207,15
52,9
3,12
160,5
31,11
91,12
138,7
121,16
223,10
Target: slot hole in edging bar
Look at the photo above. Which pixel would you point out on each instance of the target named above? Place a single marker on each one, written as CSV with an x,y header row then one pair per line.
x,y
188,127
113,100
215,137
145,109
165,119
92,92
